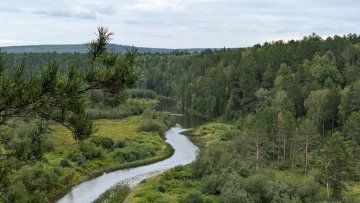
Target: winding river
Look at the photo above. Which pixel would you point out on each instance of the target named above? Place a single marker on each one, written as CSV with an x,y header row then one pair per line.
x,y
185,153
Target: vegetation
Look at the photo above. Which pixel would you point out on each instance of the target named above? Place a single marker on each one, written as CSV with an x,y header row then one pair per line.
x,y
114,195
291,112
226,172
294,106
117,144
48,141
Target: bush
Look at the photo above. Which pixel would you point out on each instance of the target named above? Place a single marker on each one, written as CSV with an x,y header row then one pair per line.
x,y
38,178
229,134
283,165
194,197
151,126
18,193
77,157
90,151
104,142
65,163
211,184
308,190
120,144
160,187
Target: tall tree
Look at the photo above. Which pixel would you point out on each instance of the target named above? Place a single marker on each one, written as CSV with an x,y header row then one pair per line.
x,y
316,105
306,135
335,164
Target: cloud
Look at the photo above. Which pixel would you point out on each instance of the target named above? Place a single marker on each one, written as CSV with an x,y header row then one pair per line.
x,y
65,13
178,23
156,5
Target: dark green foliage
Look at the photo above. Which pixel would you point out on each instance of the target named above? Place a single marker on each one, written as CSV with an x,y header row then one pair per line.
x,y
151,125
233,191
229,134
212,184
120,144
308,190
142,93
160,187
18,193
194,197
63,97
65,163
131,153
37,181
336,164
89,150
101,141
25,140
78,157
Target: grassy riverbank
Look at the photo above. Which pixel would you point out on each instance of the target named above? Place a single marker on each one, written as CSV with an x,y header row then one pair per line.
x,y
221,174
117,144
136,149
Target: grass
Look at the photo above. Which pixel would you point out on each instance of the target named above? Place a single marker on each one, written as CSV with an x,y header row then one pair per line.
x,y
124,129
171,186
115,194
207,134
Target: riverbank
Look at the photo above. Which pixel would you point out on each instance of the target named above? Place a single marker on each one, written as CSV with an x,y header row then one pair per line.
x,y
117,144
173,185
125,132
184,153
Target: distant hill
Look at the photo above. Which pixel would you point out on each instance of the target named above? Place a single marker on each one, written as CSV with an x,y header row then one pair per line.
x,y
82,48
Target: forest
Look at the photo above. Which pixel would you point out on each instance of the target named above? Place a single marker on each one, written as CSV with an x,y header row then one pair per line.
x,y
285,120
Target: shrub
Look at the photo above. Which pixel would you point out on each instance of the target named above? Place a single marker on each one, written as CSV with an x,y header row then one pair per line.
x,y
125,155
104,142
77,157
229,134
160,187
65,163
90,151
233,190
211,184
120,144
18,193
151,126
38,178
308,190
119,155
234,195
194,197
283,165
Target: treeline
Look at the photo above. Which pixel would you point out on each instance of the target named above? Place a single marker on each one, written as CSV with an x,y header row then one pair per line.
x,y
223,82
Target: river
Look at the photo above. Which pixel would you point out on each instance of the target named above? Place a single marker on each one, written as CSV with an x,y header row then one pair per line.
x,y
185,153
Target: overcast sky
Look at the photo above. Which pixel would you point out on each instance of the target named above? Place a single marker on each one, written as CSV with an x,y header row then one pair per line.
x,y
175,23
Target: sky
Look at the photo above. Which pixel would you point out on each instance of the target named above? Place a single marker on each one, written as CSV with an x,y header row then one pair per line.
x,y
175,23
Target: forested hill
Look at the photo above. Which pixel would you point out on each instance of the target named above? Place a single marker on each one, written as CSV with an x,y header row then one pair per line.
x,y
234,82
82,48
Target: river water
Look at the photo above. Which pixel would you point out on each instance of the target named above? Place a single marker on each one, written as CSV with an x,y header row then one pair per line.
x,y
185,153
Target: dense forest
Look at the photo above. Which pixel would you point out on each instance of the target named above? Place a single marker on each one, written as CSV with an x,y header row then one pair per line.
x,y
292,106
295,106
